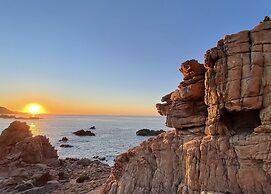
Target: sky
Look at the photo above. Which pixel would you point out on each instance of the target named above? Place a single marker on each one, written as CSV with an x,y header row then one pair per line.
x,y
108,57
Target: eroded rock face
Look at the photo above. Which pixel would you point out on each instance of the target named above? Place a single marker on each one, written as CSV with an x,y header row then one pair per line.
x,y
233,155
185,107
177,163
238,76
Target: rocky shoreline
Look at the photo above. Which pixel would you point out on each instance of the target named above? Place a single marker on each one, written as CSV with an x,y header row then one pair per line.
x,y
30,165
221,144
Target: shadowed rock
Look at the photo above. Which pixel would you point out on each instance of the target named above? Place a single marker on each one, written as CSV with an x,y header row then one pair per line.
x,y
64,139
148,132
83,133
66,146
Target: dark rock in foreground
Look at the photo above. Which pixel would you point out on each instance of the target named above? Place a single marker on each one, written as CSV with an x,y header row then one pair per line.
x,y
93,127
82,178
148,132
83,133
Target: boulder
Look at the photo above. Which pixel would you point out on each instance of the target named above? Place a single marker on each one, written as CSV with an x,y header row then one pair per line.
x,y
17,143
42,179
82,178
16,132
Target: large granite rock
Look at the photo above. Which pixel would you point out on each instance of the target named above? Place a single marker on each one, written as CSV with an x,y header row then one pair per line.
x,y
16,142
185,107
177,163
238,78
221,144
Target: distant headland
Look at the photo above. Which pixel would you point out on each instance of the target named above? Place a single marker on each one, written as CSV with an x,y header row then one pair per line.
x,y
4,110
9,114
6,116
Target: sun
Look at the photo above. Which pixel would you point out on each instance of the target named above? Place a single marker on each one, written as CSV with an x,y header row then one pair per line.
x,y
34,109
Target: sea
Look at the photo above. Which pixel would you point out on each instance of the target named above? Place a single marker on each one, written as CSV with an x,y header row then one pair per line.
x,y
113,134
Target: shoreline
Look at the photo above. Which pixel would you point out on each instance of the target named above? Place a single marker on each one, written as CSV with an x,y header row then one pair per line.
x,y
30,164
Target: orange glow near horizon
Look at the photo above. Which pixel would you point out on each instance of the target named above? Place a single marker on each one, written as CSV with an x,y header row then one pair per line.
x,y
58,105
34,109
86,109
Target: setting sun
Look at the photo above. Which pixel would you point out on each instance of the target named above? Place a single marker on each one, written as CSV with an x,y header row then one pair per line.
x,y
34,109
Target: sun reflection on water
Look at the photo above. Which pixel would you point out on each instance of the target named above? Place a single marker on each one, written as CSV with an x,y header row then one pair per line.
x,y
34,129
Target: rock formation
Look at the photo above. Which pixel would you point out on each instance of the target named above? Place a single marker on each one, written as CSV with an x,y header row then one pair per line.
x,y
82,132
222,116
185,106
16,142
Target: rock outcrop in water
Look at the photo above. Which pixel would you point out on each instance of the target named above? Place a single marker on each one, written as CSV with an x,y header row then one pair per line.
x,y
84,133
149,132
222,141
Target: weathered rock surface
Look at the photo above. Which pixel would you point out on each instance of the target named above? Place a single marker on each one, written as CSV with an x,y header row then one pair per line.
x,y
185,106
221,144
149,132
17,143
238,78
177,163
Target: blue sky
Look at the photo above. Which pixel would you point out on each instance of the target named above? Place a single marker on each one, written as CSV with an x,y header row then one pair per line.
x,y
108,57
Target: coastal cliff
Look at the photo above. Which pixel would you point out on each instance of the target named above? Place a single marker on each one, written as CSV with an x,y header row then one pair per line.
x,y
221,113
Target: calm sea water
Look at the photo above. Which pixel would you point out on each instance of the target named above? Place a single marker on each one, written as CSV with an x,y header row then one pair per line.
x,y
114,134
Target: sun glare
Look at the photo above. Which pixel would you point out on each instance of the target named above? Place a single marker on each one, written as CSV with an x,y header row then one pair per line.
x,y
34,109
